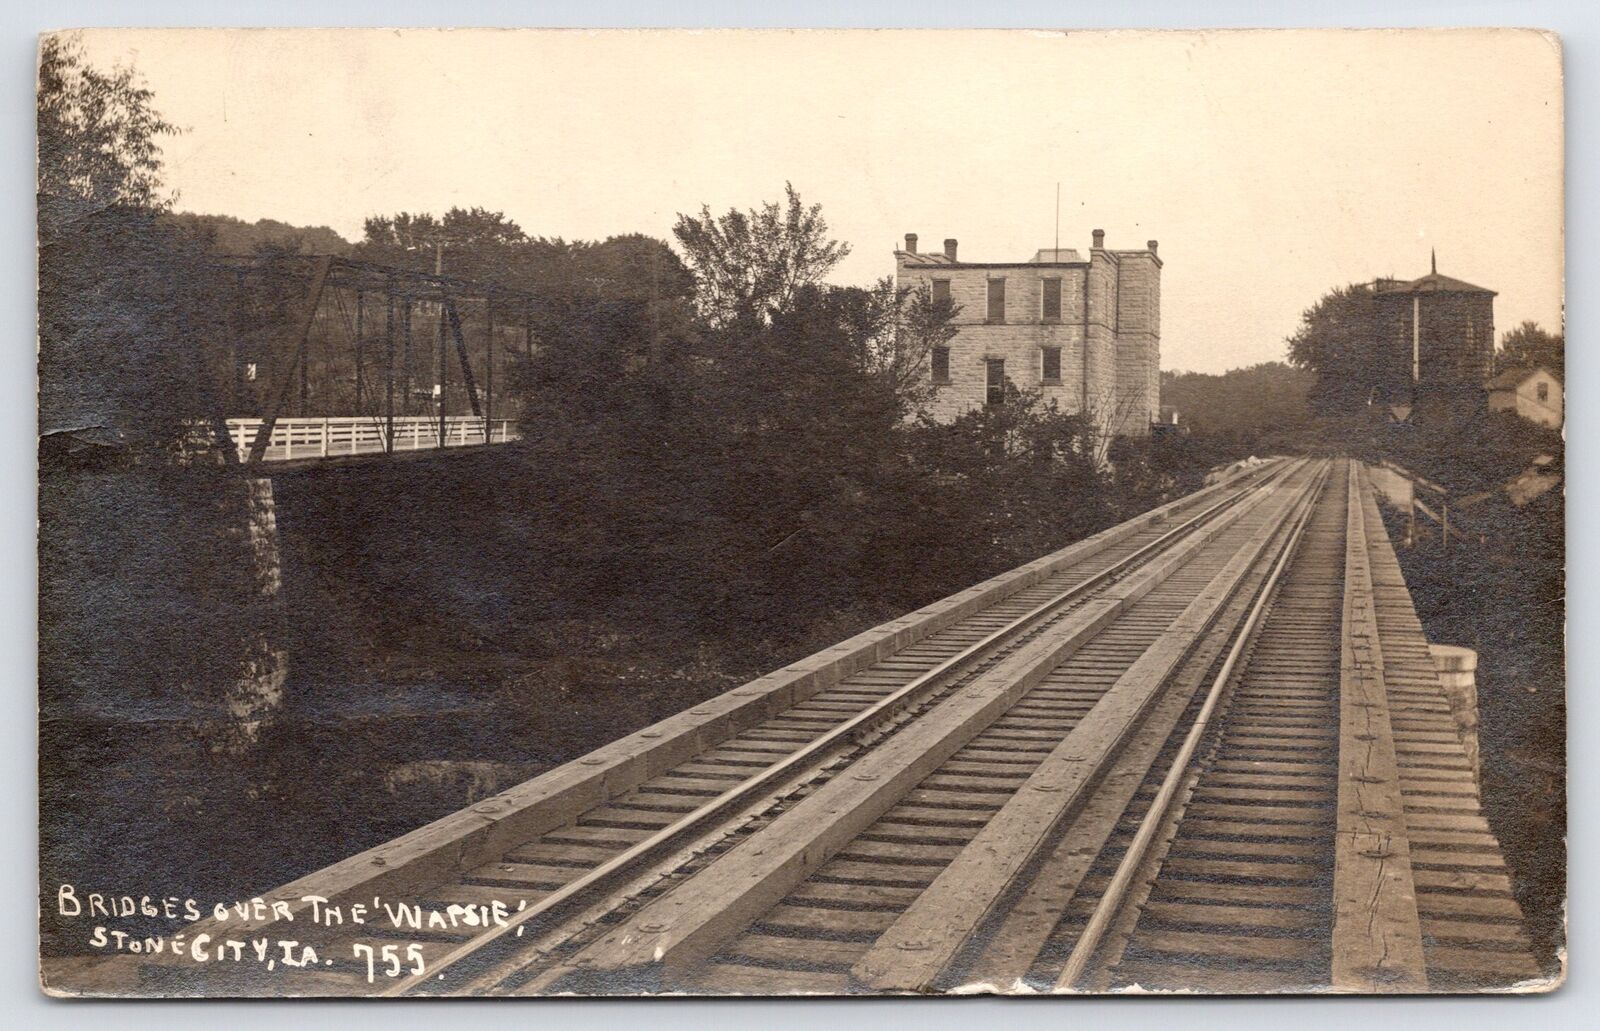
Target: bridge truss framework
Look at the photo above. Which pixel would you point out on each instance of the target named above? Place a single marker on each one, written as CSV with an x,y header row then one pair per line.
x,y
349,287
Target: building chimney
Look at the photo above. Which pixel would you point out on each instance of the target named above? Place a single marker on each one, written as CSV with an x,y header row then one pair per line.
x,y
1099,239
911,242
950,249
1151,244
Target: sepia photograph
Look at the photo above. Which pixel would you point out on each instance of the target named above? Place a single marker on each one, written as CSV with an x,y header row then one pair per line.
x,y
569,513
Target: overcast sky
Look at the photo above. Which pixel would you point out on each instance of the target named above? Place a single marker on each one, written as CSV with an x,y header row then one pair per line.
x,y
1271,166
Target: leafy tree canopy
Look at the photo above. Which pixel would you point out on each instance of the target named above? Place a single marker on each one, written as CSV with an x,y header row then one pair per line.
x,y
1338,340
1240,405
125,303
466,242
750,264
476,243
98,137
226,235
1529,345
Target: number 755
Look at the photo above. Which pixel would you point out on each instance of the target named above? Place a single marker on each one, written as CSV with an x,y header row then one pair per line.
x,y
389,955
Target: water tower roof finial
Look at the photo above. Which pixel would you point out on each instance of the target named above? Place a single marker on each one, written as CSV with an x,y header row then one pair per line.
x,y
1433,260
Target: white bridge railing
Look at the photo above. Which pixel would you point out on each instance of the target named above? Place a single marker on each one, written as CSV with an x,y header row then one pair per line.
x,y
305,438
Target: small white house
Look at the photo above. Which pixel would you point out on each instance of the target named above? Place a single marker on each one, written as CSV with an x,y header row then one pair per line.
x,y
1535,394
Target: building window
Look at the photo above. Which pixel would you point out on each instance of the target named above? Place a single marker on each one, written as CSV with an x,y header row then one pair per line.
x,y
941,291
1052,364
250,371
1544,391
941,365
1052,300
997,300
995,389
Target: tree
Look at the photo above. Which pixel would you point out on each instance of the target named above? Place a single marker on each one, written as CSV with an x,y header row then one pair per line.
x,y
887,332
1240,405
97,135
471,243
1108,411
225,235
1529,345
126,301
633,267
479,244
750,264
1003,475
913,326
1338,340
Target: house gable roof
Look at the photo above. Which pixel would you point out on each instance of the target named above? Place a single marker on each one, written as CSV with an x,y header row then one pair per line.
x,y
1512,378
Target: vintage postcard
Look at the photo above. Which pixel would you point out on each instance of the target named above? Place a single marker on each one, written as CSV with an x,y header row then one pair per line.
x,y
548,513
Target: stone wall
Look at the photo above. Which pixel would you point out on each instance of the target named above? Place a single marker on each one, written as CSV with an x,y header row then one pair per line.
x,y
1138,341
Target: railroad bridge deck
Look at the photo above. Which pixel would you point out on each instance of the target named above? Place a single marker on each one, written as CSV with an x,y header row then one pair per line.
x,y
1206,749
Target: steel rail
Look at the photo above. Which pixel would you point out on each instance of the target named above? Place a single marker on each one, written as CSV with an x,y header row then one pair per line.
x,y
747,790
1111,901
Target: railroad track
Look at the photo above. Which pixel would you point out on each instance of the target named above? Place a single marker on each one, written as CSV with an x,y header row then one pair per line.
x,y
1332,835
747,781
1123,764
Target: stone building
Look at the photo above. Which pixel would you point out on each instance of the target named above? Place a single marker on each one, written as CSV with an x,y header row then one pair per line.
x,y
1438,332
1084,332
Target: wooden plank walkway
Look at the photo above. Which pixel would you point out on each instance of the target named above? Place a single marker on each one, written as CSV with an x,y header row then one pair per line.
x,y
1471,926
1377,938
